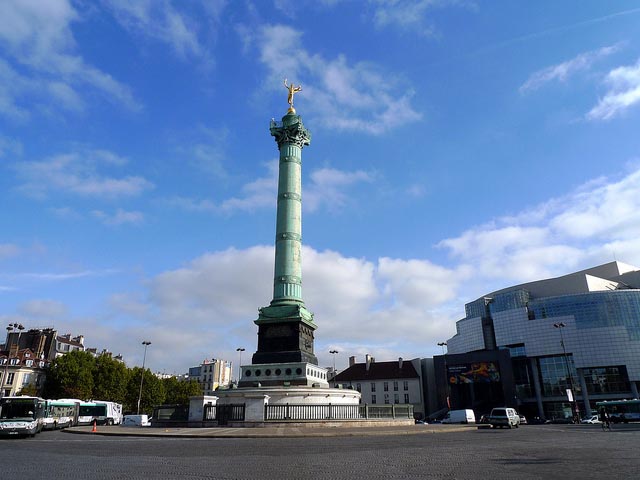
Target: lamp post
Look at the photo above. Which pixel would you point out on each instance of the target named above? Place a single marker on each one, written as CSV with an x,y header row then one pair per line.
x,y
446,373
144,358
239,350
333,354
573,401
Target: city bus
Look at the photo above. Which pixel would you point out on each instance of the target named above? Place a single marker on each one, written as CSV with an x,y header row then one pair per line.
x,y
621,411
21,416
102,412
61,414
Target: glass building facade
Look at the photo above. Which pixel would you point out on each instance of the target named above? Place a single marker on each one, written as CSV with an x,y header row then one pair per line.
x,y
572,336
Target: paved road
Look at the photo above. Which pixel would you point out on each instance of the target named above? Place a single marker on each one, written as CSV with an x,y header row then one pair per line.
x,y
531,452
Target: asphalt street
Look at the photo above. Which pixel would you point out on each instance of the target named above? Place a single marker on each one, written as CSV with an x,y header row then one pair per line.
x,y
530,452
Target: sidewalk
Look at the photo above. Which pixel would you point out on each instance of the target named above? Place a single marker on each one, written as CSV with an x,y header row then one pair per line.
x,y
268,432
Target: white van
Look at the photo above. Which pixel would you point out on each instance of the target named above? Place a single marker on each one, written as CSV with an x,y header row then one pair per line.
x,y
504,417
136,421
460,416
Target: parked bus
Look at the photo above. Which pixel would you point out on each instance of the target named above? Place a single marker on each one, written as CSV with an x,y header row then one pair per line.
x,y
102,412
61,414
21,416
621,411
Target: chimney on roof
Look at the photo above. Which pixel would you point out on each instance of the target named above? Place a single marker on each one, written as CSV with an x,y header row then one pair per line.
x,y
368,360
79,339
400,363
352,361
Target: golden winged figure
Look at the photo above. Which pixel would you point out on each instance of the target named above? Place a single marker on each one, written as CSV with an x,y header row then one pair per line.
x,y
292,91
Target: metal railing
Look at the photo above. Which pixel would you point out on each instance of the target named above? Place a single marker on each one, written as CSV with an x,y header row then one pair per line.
x,y
304,412
224,413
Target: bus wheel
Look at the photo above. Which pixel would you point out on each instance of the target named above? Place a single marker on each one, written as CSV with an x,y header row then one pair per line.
x,y
109,421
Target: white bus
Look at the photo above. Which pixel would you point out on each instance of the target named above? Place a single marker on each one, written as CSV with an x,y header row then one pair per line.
x,y
102,412
61,414
21,416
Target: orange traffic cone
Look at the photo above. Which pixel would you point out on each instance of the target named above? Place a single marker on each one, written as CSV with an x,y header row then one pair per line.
x,y
95,428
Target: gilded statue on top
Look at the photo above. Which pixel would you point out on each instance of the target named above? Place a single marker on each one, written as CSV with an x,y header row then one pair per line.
x,y
292,91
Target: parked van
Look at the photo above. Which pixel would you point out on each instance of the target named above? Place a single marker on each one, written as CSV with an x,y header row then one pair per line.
x,y
504,417
136,421
460,416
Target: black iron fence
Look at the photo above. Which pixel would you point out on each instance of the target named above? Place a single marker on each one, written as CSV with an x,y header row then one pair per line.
x,y
224,413
302,412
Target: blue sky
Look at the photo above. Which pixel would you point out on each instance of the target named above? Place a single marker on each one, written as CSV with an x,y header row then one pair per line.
x,y
458,147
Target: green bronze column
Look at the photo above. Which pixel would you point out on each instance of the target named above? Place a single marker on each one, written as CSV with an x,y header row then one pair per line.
x,y
285,327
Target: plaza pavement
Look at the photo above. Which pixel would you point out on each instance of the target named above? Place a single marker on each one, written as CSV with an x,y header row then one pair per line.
x,y
281,431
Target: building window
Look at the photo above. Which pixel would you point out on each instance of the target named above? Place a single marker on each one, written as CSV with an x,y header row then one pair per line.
x,y
396,398
373,399
386,386
406,398
10,378
386,399
395,387
606,380
373,386
358,387
25,379
406,385
29,363
14,361
553,375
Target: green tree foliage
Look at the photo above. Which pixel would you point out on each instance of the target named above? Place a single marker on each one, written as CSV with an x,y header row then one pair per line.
x,y
178,392
71,376
81,375
153,392
110,379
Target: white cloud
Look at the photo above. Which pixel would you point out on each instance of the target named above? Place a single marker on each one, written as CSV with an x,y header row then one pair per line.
x,y
327,188
43,309
359,97
37,35
591,225
77,173
120,217
8,250
624,92
162,22
562,71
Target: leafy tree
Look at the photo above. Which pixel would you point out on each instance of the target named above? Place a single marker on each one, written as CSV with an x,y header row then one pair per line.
x,y
71,376
178,392
110,379
152,392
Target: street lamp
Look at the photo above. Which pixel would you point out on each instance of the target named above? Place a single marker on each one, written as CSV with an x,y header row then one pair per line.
x,y
239,350
446,373
573,400
334,353
144,358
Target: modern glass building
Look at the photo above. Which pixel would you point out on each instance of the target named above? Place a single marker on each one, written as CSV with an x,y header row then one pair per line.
x,y
579,332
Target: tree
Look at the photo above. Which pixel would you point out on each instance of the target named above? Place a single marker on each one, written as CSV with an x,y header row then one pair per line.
x,y
178,392
71,376
110,379
152,392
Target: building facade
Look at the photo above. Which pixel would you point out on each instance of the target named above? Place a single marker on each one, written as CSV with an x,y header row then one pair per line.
x,y
569,342
384,382
24,359
211,374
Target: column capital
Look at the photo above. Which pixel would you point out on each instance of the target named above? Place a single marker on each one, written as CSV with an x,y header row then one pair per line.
x,y
290,130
